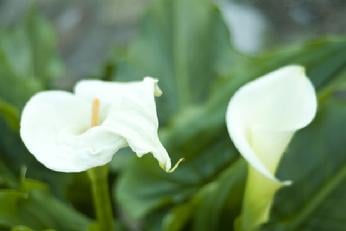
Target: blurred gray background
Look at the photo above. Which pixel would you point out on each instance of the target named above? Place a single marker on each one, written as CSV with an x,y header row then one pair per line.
x,y
88,29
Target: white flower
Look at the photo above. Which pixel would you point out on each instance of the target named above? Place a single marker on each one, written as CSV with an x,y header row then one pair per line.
x,y
263,115
74,132
262,118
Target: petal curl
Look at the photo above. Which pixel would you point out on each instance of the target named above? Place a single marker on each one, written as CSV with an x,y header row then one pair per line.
x,y
263,115
55,127
131,113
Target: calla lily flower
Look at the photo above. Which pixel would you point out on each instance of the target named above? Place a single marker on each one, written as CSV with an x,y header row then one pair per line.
x,y
69,132
262,118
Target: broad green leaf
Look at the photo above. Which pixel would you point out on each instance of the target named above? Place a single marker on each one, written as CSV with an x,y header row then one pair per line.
x,y
33,206
28,63
15,89
30,49
21,228
316,161
28,58
169,188
206,208
196,134
184,44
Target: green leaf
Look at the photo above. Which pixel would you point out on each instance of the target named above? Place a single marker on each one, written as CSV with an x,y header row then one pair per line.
x,y
21,228
28,58
172,188
33,206
207,207
184,44
198,134
15,89
316,162
28,63
10,115
29,49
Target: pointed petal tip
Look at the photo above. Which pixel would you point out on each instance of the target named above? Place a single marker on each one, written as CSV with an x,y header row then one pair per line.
x,y
273,178
157,89
170,170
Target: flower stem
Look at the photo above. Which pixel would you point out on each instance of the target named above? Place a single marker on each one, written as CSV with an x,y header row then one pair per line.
x,y
101,198
258,198
99,183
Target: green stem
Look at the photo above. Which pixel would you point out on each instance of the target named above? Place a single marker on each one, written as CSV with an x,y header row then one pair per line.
x,y
102,203
258,198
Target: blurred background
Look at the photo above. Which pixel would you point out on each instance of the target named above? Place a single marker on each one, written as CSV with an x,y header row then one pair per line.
x,y
87,30
202,51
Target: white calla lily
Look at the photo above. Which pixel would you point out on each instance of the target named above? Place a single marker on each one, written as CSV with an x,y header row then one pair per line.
x,y
74,132
262,118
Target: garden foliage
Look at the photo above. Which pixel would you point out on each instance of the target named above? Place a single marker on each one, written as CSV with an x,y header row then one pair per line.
x,y
186,45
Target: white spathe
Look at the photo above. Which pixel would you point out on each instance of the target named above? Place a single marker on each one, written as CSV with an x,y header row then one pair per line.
x,y
56,125
263,115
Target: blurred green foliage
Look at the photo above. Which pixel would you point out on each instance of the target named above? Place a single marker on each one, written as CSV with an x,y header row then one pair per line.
x,y
28,63
185,44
